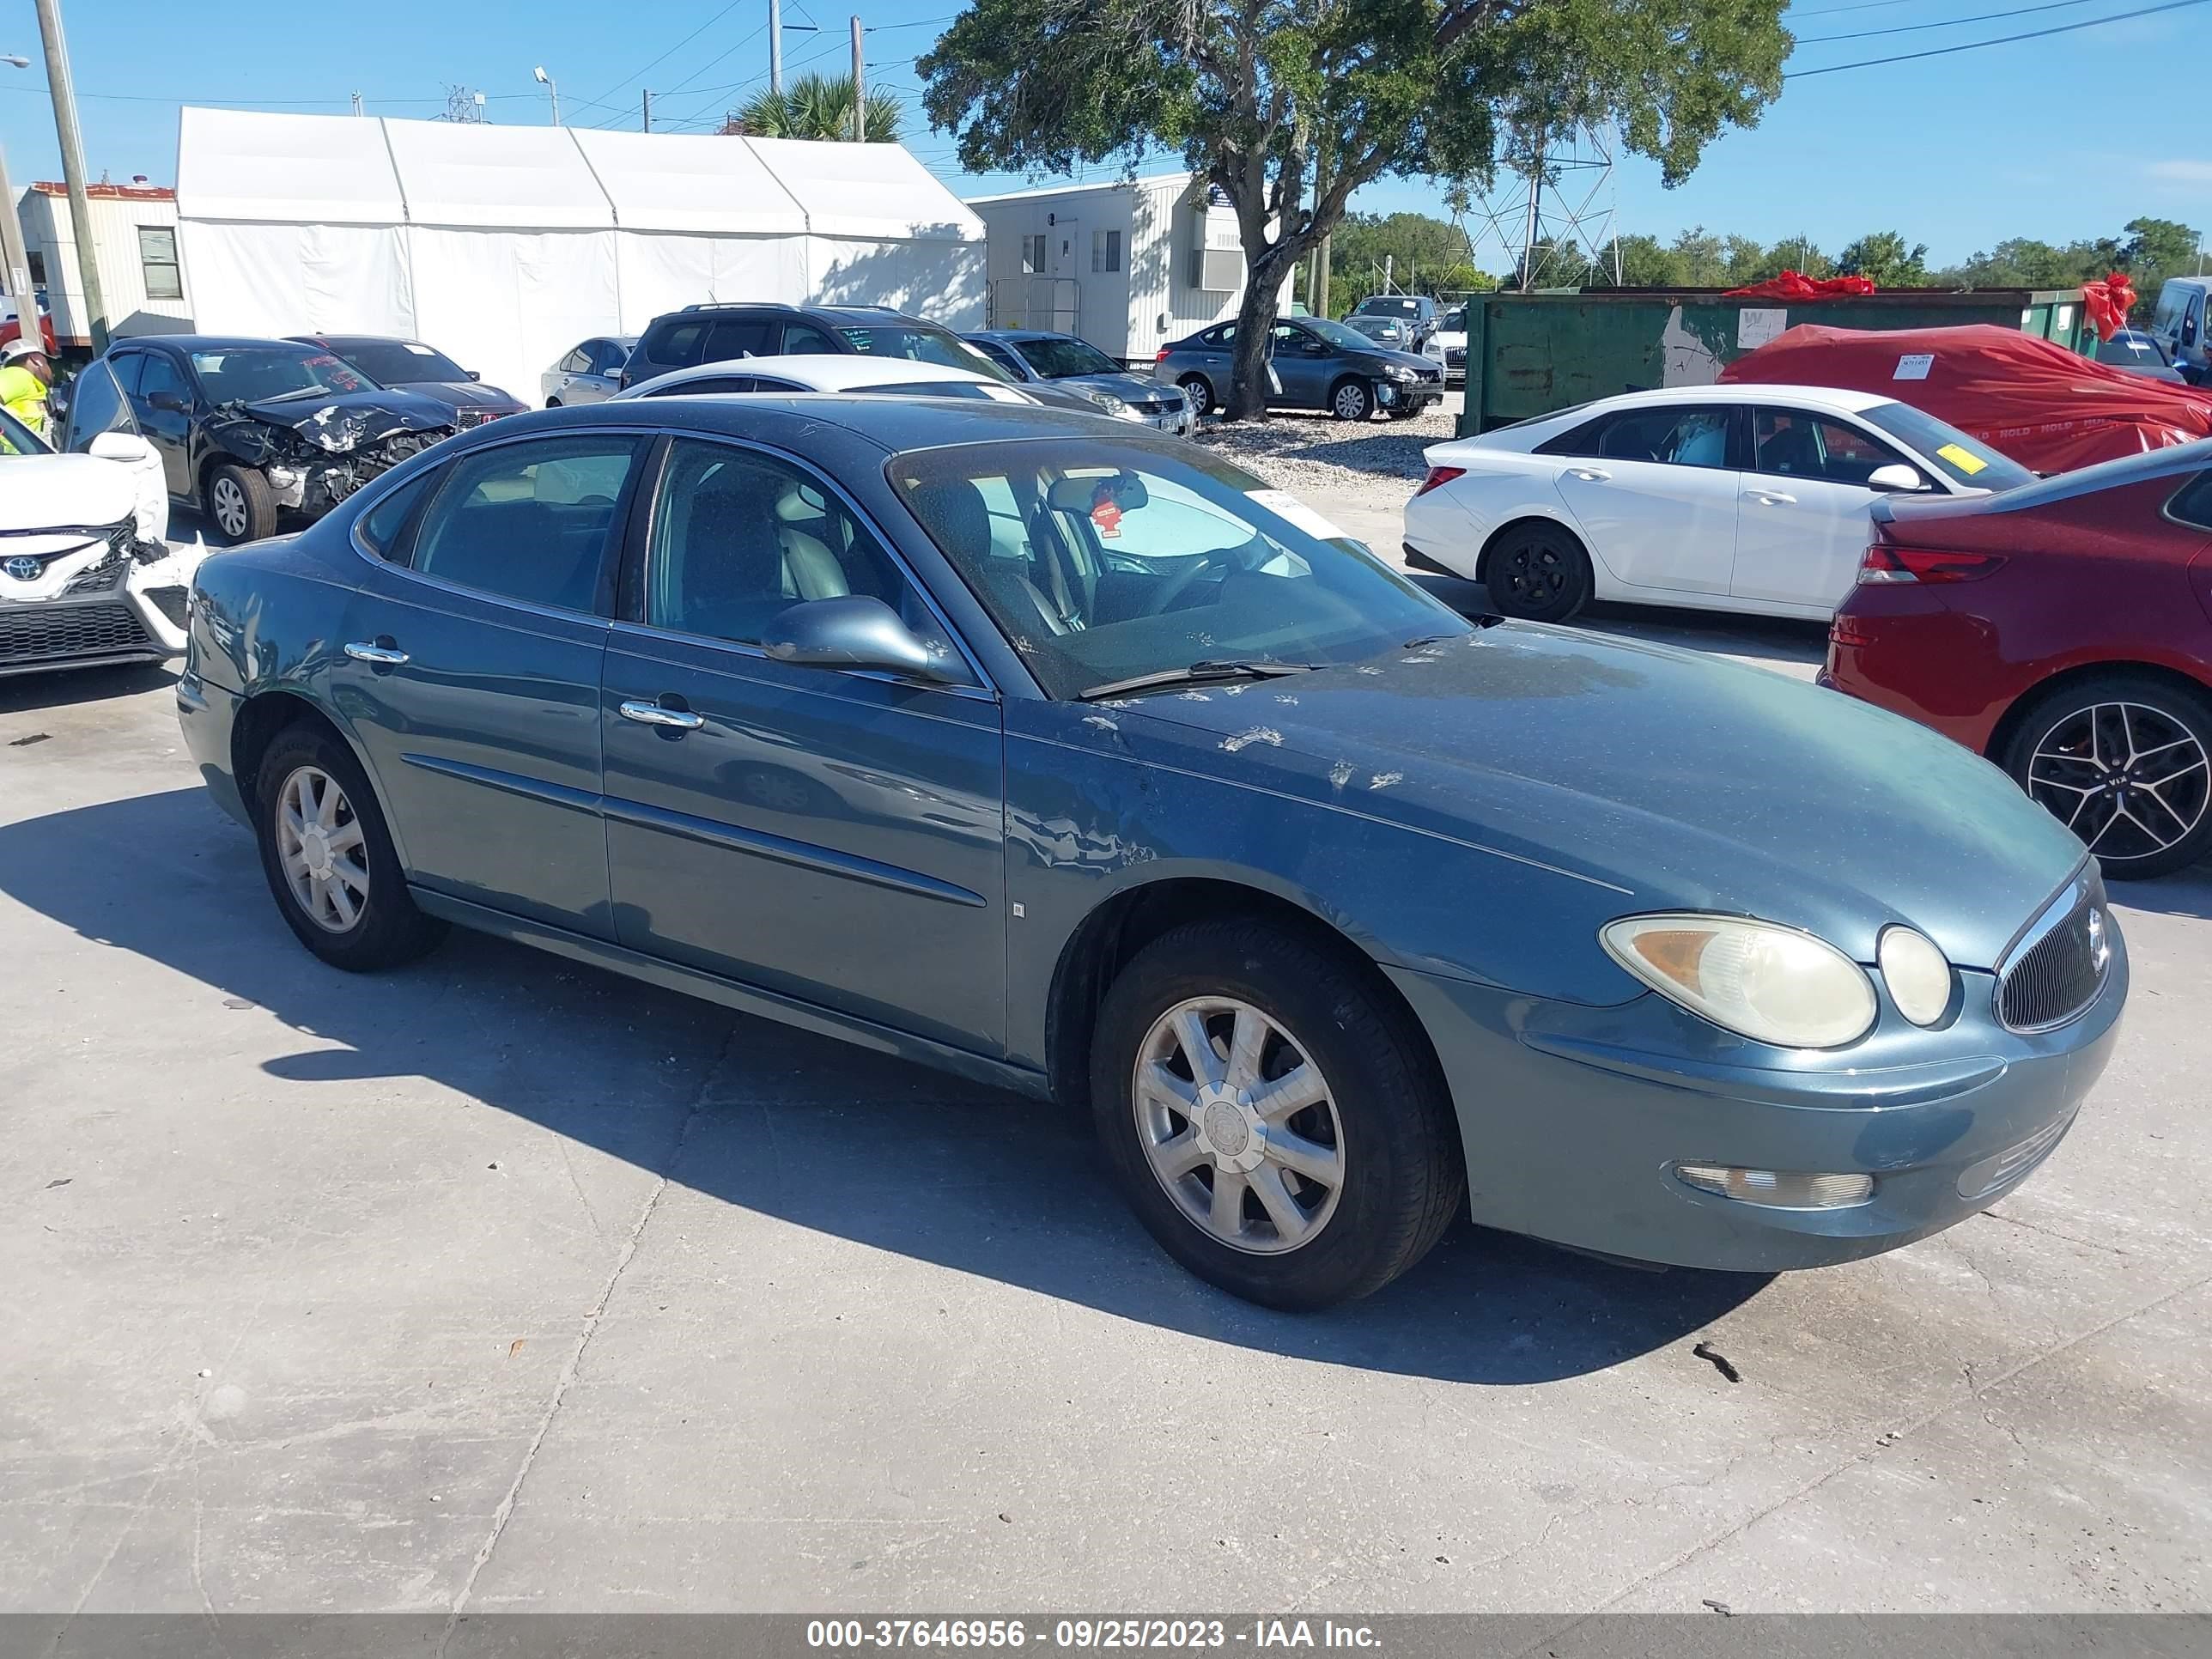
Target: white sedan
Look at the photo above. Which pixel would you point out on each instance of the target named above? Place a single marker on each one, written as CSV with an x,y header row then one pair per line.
x,y
86,575
1749,498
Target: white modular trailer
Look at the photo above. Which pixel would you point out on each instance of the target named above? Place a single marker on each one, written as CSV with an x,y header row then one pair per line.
x,y
1129,266
134,248
503,247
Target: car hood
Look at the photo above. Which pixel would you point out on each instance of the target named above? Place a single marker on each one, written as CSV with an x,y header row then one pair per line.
x,y
1391,355
44,492
343,421
1129,388
1691,783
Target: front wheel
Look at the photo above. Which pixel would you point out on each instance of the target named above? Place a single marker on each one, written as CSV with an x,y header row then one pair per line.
x,y
1537,573
1352,401
552,402
329,857
241,502
2125,760
1274,1123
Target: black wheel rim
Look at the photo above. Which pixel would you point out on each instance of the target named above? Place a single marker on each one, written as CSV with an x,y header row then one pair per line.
x,y
1533,575
2129,778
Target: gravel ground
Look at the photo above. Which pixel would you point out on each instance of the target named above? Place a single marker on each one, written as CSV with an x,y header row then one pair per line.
x,y
1315,457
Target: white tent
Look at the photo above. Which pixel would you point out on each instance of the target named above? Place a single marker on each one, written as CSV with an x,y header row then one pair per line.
x,y
503,247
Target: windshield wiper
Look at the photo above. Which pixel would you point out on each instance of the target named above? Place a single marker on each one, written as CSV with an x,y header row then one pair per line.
x,y
1196,673
296,391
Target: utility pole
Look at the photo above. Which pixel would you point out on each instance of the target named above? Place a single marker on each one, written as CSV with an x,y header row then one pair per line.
x,y
1318,289
859,87
72,143
357,109
646,112
775,46
18,273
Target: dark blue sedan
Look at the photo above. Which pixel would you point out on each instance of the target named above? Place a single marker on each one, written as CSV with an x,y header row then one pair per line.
x,y
1072,758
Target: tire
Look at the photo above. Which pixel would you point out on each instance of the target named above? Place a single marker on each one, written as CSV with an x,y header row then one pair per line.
x,y
2123,760
1351,400
1536,572
552,402
1400,1178
1198,392
240,504
385,928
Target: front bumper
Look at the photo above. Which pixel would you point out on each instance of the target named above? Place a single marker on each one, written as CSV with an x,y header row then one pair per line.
x,y
1416,396
1574,1118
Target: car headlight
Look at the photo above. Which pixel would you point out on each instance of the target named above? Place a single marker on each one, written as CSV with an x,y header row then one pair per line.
x,y
1398,372
1917,974
1107,402
1757,979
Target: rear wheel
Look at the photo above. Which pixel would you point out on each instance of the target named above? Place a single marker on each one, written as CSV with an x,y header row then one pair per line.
x,y
552,402
1274,1123
1537,572
241,502
2125,760
1198,393
329,857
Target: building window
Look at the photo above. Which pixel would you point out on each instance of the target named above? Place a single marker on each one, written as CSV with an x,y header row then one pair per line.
x,y
38,269
157,258
1105,250
1033,255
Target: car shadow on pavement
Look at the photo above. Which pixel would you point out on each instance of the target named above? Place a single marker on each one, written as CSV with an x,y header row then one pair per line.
x,y
811,1131
67,688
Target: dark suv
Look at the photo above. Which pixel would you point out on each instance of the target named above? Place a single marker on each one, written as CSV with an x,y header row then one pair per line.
x,y
717,333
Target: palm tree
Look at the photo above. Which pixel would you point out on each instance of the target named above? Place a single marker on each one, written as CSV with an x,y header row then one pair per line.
x,y
817,106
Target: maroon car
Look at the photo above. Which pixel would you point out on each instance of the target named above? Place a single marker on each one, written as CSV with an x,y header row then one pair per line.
x,y
2064,630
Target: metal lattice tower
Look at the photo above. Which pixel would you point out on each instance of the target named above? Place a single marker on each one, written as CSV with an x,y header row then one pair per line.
x,y
1553,210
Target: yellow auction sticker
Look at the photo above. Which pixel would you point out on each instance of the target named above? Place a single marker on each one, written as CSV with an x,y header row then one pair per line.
x,y
1965,460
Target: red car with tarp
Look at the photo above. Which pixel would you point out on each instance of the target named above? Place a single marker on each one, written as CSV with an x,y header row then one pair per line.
x,y
2031,399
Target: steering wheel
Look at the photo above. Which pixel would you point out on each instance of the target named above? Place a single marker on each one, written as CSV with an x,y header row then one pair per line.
x,y
1179,584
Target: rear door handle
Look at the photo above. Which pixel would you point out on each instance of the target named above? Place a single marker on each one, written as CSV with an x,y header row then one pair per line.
x,y
1773,498
379,656
652,713
1589,474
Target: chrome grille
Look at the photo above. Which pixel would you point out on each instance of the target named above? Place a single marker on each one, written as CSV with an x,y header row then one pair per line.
x,y
2056,971
58,633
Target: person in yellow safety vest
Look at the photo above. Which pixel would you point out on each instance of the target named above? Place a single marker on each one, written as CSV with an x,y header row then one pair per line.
x,y
26,372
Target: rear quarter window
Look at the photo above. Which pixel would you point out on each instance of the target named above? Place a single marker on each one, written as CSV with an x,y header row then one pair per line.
x,y
2193,506
674,345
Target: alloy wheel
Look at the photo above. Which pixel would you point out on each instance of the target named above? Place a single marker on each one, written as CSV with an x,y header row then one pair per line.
x,y
228,502
323,849
1239,1126
1351,403
2128,778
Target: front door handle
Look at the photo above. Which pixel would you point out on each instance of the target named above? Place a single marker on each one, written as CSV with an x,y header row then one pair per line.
x,y
376,655
1773,498
1589,474
652,713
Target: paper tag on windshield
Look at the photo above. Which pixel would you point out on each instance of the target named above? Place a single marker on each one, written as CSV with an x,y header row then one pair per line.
x,y
1965,460
1289,508
1914,366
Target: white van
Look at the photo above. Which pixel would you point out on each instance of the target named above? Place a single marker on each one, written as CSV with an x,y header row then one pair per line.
x,y
2179,322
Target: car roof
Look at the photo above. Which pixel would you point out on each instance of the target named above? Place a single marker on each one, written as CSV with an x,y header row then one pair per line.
x,y
854,314
1819,396
891,424
824,371
1011,335
338,340
205,342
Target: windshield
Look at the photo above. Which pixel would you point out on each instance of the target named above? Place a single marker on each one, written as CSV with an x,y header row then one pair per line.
x,y
250,373
921,345
1389,306
1101,560
1057,359
1337,333
401,362
1455,320
1963,460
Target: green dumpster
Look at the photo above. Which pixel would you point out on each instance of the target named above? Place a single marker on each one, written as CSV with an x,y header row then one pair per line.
x,y
1529,354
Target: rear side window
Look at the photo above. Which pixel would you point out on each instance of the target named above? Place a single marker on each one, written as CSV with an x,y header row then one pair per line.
x,y
2194,504
380,527
674,345
735,337
529,521
1673,437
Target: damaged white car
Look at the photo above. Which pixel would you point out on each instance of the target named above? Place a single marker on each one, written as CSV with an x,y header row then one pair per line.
x,y
87,576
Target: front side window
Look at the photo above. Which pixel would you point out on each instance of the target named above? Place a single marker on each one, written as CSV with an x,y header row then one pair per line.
x,y
159,374
805,340
96,405
157,262
256,374
1102,561
1674,437
1790,443
1057,359
738,537
529,521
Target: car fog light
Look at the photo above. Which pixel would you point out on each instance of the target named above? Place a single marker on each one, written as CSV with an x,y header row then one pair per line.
x,y
1917,974
1776,1190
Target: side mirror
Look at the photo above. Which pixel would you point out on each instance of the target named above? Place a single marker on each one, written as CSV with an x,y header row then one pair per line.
x,y
472,374
168,400
851,631
612,376
126,447
1896,478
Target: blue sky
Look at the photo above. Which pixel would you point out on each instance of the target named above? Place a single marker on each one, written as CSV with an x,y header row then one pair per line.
x,y
2066,136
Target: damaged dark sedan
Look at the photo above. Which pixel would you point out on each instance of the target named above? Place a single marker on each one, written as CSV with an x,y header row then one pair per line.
x,y
248,430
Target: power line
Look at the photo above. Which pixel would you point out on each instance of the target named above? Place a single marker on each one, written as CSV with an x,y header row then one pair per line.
x,y
1948,23
1862,5
251,103
672,52
2001,40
